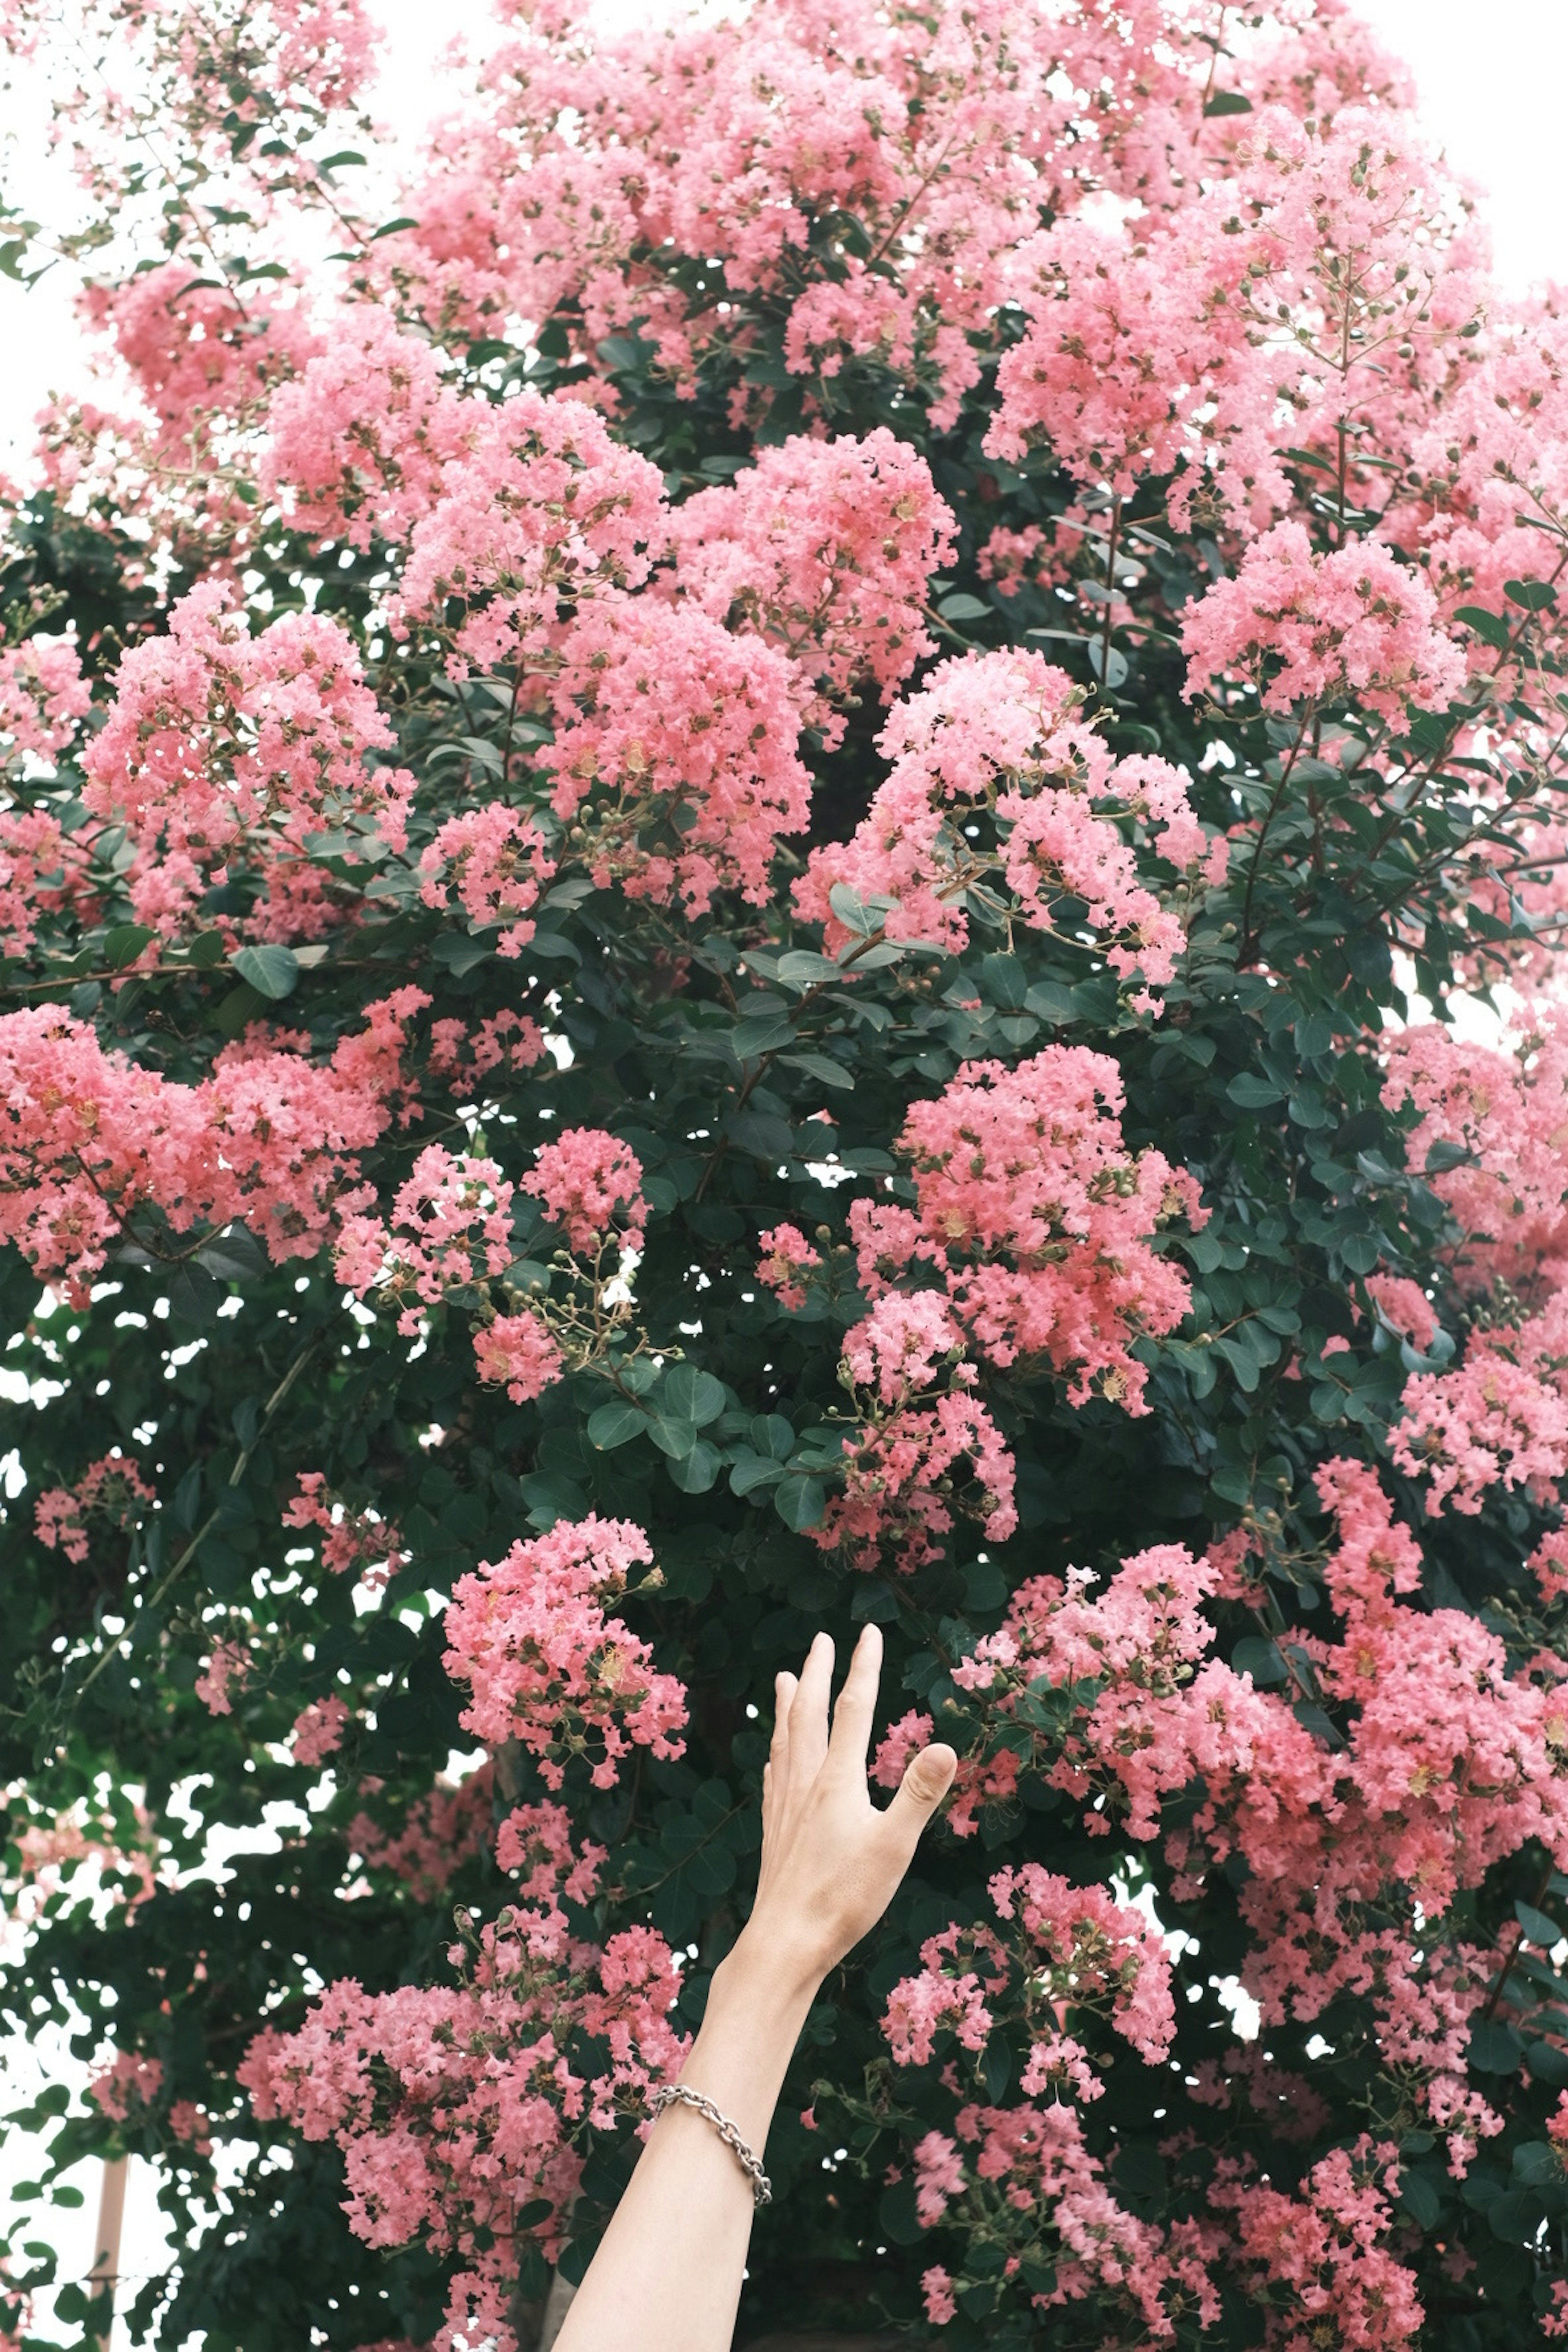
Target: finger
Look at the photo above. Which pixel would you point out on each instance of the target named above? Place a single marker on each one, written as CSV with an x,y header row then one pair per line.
x,y
926,1781
856,1710
777,1770
808,1716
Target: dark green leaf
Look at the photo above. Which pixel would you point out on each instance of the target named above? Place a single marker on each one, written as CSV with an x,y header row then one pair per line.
x,y
272,972
125,943
799,1501
615,1425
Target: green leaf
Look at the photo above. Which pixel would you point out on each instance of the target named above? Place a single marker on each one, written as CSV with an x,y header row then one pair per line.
x,y
272,972
233,1255
1539,1930
672,1435
391,227
696,1396
1531,596
1250,1092
459,951
1419,2198
764,1033
1547,2064
615,1425
125,943
1494,2048
1516,2216
194,1296
799,1501
964,607
821,1067
1488,626
1228,101
696,1471
749,1472
1260,1658
848,909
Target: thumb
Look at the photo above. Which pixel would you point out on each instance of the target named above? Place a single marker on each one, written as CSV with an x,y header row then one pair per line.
x,y
927,1779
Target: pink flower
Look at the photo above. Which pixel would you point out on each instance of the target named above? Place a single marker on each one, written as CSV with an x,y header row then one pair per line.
x,y
824,548
358,1541
995,777
317,1731
590,1184
517,1351
938,2176
936,2286
224,751
544,1664
786,1257
132,2083
107,1496
541,509
493,862
226,1670
358,439
1308,631
675,754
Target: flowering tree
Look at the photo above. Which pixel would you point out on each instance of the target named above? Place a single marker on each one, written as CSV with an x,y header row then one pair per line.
x,y
732,866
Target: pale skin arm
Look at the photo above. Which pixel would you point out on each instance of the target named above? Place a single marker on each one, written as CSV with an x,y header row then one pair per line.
x,y
667,2276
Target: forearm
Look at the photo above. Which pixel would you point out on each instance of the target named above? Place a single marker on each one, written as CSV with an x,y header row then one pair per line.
x,y
667,2276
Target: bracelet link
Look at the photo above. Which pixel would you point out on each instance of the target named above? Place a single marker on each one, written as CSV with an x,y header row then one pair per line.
x,y
672,2094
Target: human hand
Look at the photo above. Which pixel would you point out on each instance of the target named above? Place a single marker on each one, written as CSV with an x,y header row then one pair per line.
x,y
831,1859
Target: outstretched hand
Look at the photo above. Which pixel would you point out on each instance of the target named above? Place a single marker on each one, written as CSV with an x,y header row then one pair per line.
x,y
831,1859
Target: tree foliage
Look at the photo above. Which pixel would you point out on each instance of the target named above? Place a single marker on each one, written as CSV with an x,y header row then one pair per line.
x,y
726,861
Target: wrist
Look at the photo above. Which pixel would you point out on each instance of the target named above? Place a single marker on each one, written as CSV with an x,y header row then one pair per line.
x,y
766,1975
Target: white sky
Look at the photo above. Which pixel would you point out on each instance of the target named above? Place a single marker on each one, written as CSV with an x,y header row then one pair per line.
x,y
1491,83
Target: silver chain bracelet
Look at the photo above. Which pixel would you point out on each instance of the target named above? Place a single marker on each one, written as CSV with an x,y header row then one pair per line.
x,y
670,2095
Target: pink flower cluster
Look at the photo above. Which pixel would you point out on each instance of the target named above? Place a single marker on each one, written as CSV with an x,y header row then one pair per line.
x,y
129,2085
1068,1944
590,1184
318,1730
540,510
43,695
1449,1763
786,1260
675,761
996,738
1022,2178
459,2108
1029,1241
1307,631
358,440
109,1494
224,752
1499,1120
450,1226
200,359
545,1665
42,871
1319,2260
357,1541
88,1139
226,1670
493,862
439,1833
824,548
1038,1221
